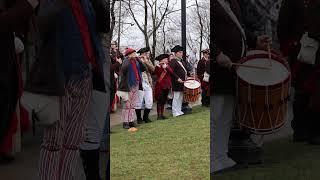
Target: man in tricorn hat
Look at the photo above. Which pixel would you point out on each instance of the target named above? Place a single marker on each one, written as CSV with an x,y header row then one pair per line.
x,y
201,69
146,94
180,69
163,84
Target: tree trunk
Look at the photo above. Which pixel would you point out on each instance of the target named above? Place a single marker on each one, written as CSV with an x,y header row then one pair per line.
x,y
146,38
201,28
154,35
164,36
113,19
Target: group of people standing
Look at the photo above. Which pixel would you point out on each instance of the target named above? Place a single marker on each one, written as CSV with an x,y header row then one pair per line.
x,y
142,81
70,71
241,26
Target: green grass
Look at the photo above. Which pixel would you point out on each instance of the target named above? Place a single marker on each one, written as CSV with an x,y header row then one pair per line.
x,y
177,148
284,160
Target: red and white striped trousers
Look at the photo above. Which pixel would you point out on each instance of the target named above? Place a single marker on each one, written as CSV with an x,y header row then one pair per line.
x,y
60,147
128,111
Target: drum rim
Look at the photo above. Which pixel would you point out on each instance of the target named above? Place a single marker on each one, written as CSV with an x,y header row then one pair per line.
x,y
273,57
192,80
273,52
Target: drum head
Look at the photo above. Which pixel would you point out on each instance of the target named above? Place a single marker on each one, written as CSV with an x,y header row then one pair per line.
x,y
276,73
192,84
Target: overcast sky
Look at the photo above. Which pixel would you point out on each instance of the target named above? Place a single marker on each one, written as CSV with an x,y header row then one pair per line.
x,y
133,36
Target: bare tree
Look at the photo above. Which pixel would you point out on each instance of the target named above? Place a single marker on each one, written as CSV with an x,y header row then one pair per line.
x,y
113,18
158,12
201,27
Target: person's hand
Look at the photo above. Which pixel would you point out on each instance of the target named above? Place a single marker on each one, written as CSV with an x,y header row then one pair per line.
x,y
263,42
164,66
224,61
143,59
180,81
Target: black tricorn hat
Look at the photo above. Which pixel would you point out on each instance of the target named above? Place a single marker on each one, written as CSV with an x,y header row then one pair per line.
x,y
162,56
177,48
143,50
207,51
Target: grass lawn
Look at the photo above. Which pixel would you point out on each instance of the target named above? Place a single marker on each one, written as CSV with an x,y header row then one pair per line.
x,y
284,160
177,148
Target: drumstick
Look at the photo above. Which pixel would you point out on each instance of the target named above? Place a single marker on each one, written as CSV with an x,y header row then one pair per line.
x,y
249,66
269,52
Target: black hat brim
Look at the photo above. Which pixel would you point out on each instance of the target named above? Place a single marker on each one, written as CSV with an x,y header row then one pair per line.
x,y
162,56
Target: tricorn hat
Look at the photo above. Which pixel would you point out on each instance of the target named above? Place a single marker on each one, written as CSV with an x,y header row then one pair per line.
x,y
177,48
207,51
162,56
143,50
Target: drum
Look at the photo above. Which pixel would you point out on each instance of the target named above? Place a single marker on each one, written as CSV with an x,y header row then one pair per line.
x,y
192,90
262,94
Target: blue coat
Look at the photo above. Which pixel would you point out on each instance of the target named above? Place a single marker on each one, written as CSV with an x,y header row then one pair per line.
x,y
61,53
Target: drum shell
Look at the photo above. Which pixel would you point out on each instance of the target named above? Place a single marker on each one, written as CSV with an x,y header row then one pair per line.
x,y
262,109
192,95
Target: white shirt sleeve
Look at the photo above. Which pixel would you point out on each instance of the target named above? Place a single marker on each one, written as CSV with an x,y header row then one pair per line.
x,y
19,47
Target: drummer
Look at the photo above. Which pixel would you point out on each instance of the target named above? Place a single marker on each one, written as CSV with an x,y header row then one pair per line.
x,y
231,41
180,69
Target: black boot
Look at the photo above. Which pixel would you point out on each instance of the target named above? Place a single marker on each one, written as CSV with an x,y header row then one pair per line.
x,y
132,124
139,119
146,116
126,125
90,161
6,159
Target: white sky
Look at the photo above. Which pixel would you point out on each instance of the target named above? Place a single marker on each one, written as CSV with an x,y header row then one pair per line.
x,y
133,36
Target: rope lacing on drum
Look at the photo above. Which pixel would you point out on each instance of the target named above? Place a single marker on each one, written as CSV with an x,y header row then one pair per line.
x,y
268,107
282,99
250,104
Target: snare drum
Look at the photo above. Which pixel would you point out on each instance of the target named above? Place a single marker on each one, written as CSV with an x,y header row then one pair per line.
x,y
262,95
192,90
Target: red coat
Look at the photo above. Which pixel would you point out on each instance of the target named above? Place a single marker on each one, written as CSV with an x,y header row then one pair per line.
x,y
201,69
165,82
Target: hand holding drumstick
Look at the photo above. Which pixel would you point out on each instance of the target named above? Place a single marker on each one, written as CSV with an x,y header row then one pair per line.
x,y
225,61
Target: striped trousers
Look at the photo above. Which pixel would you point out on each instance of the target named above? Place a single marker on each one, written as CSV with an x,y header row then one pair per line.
x,y
128,112
59,151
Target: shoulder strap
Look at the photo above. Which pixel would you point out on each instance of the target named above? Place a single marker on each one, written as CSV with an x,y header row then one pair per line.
x,y
234,18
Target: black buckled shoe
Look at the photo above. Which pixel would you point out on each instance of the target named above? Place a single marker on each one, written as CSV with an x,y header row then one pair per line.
x,y
126,125
132,124
140,121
